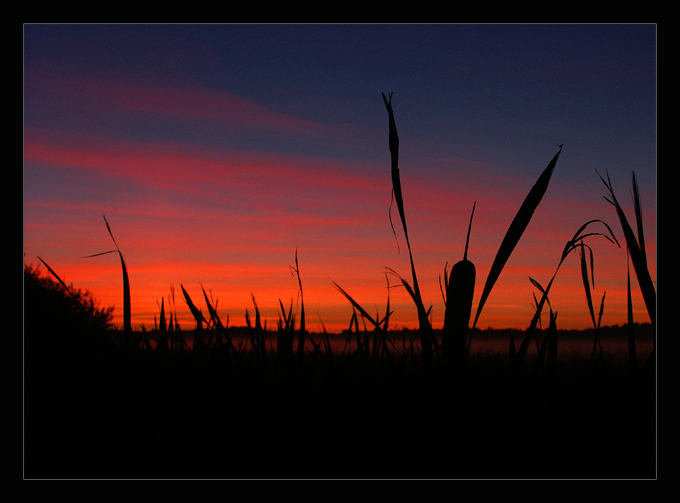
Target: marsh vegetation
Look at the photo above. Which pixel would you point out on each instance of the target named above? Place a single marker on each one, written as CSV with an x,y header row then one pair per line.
x,y
218,401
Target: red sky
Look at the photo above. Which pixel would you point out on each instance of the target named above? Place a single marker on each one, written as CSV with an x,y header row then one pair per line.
x,y
217,181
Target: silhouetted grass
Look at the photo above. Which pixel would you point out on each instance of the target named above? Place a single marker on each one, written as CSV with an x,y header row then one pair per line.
x,y
414,290
374,411
241,402
127,316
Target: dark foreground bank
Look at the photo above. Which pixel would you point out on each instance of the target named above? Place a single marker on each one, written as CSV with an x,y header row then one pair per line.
x,y
108,413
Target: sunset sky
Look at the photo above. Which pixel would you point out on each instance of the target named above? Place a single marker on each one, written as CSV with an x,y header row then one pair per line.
x,y
216,151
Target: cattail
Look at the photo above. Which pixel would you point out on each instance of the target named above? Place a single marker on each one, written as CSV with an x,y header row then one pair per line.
x,y
459,292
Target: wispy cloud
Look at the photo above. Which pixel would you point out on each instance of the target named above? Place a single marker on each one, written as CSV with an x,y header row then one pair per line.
x,y
173,100
180,166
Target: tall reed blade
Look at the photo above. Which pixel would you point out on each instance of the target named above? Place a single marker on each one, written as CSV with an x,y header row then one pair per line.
x,y
426,334
638,218
586,284
198,316
162,329
127,323
394,153
637,255
301,338
514,233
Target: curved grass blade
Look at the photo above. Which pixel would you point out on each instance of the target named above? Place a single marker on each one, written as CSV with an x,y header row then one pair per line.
x,y
127,324
514,233
357,306
426,333
638,218
55,275
586,284
198,316
394,153
575,242
524,346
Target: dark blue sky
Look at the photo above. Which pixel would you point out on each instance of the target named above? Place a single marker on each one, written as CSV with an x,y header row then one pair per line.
x,y
492,92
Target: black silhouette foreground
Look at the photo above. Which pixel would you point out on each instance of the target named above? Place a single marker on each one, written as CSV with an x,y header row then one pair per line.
x,y
95,409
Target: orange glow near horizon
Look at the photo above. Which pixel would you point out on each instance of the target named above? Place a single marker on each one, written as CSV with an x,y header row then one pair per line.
x,y
191,252
246,247
509,306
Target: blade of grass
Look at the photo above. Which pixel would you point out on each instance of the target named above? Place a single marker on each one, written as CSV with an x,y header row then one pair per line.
x,y
286,329
427,340
301,338
586,284
636,254
571,245
632,357
257,333
514,233
426,333
217,325
638,218
357,306
55,275
597,342
127,318
198,316
162,344
531,331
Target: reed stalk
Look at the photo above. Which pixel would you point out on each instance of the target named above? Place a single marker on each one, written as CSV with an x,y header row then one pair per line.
x,y
127,316
638,256
301,336
635,248
427,336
